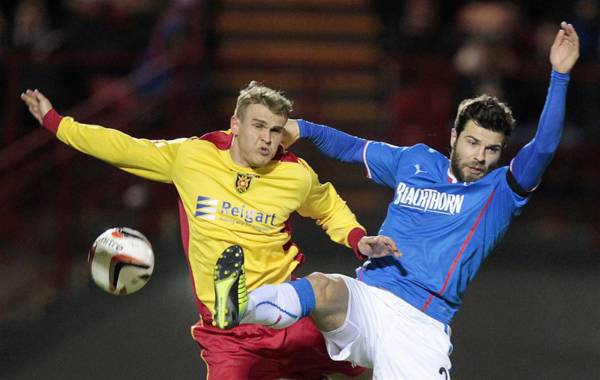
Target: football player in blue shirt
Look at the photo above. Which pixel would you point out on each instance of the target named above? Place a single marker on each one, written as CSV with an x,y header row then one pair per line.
x,y
446,216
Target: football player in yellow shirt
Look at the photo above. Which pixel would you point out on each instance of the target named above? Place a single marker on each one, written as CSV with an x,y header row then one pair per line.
x,y
236,187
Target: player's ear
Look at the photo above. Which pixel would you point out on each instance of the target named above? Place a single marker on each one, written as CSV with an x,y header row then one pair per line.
x,y
453,136
234,125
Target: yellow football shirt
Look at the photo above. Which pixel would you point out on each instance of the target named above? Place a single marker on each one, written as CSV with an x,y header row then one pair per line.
x,y
222,203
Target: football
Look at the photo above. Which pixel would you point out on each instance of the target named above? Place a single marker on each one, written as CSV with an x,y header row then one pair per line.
x,y
121,261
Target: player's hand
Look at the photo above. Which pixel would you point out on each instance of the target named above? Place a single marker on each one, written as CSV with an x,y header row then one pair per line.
x,y
565,49
37,103
378,246
291,133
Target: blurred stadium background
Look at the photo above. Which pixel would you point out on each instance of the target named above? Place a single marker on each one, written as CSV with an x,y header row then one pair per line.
x,y
390,70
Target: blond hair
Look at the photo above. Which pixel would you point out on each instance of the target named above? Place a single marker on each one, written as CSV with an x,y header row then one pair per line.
x,y
256,93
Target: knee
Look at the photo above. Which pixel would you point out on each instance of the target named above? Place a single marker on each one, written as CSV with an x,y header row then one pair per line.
x,y
331,299
319,283
327,289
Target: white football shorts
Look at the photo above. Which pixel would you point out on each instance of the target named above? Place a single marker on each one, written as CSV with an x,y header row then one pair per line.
x,y
383,332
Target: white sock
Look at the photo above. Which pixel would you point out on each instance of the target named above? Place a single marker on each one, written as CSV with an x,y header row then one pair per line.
x,y
276,306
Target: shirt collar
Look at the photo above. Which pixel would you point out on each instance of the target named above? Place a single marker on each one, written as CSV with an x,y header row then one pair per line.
x,y
451,177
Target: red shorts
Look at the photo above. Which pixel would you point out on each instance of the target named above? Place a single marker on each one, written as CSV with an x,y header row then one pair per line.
x,y
249,352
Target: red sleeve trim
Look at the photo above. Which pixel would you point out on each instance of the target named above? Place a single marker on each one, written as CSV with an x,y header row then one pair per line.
x,y
353,237
52,120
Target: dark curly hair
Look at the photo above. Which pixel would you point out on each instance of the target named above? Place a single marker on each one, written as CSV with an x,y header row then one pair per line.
x,y
487,112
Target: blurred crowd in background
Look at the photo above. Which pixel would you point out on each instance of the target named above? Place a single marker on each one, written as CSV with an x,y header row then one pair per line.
x,y
155,58
494,47
76,49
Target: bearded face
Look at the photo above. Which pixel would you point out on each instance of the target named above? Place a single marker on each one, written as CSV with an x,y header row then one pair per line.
x,y
475,152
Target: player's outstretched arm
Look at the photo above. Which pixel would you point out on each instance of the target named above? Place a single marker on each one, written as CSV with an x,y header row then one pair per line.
x,y
324,204
37,104
145,158
331,142
531,161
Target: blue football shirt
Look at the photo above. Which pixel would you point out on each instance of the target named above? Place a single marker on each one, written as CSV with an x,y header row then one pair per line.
x,y
445,229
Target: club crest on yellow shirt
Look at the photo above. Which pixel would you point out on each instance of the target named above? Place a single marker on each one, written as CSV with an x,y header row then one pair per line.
x,y
242,182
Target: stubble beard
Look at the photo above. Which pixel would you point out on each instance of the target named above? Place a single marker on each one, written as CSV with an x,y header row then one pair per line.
x,y
455,165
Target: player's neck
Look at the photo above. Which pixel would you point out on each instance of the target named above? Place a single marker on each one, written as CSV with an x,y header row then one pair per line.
x,y
236,154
